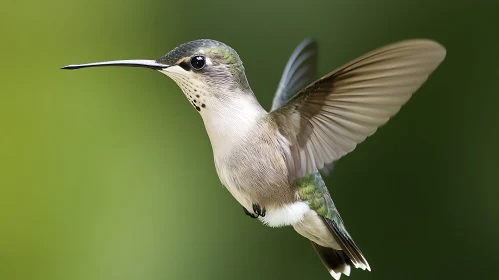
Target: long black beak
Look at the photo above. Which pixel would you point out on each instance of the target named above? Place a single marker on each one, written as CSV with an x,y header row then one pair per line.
x,y
152,64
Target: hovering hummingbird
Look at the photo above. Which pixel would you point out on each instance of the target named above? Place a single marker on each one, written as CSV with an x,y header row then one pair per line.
x,y
270,161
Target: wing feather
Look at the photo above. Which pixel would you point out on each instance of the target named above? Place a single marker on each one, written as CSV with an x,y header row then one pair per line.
x,y
300,71
329,117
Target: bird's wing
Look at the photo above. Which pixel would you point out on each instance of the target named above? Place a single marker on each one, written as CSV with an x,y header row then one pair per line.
x,y
328,118
300,71
313,190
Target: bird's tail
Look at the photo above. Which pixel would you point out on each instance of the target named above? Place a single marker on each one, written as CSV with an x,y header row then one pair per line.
x,y
323,225
336,261
332,243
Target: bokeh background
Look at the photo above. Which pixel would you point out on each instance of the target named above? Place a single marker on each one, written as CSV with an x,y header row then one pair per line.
x,y
108,173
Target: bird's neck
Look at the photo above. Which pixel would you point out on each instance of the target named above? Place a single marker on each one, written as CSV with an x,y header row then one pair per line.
x,y
228,120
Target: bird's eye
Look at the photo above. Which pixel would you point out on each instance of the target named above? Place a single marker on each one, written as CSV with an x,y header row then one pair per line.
x,y
198,62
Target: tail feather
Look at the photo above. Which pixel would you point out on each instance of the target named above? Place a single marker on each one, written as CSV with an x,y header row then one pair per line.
x,y
332,243
346,242
336,261
324,227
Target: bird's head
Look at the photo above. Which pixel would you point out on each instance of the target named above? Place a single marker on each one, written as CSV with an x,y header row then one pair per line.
x,y
206,70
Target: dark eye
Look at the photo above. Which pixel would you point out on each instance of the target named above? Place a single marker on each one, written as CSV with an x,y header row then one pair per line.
x,y
198,62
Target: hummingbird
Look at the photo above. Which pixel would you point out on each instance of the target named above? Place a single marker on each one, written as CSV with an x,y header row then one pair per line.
x,y
271,161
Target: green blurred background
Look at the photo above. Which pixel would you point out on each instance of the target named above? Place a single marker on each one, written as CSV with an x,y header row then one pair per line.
x,y
108,173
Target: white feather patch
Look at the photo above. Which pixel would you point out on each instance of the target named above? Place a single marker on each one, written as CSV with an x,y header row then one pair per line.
x,y
347,270
289,214
336,275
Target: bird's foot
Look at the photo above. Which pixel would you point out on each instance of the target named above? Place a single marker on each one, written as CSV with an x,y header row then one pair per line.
x,y
259,211
250,214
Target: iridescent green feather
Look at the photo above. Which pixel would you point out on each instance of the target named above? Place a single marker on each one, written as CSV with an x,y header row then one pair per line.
x,y
313,190
226,54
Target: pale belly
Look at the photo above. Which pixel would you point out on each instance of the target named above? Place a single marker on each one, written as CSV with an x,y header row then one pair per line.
x,y
277,215
259,176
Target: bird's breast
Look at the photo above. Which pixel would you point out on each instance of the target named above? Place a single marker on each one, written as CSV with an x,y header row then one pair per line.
x,y
254,171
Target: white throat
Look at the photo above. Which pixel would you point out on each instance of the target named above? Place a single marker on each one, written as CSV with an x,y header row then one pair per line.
x,y
227,116
229,120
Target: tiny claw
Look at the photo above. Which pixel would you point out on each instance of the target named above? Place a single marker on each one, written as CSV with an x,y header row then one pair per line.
x,y
256,209
259,210
250,214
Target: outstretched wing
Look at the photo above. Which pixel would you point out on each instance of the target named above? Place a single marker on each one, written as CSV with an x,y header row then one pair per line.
x,y
328,118
300,71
